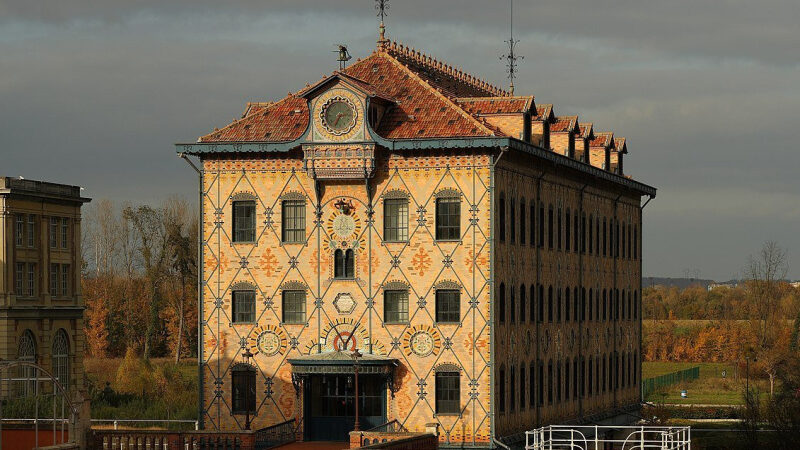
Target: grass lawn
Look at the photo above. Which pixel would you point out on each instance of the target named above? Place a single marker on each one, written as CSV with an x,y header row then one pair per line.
x,y
710,388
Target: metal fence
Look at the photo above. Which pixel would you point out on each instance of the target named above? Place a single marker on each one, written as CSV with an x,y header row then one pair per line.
x,y
595,437
653,384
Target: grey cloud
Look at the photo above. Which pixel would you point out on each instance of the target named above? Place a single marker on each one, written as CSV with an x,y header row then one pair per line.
x,y
95,93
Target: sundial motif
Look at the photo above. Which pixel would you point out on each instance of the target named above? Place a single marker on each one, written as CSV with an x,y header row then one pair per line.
x,y
269,341
343,229
343,226
343,335
421,341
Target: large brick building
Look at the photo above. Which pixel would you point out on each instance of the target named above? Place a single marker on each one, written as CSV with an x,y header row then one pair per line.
x,y
482,252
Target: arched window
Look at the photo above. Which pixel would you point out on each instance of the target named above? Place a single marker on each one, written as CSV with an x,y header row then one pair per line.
x,y
521,386
512,405
531,385
533,223
550,383
501,389
590,377
576,305
591,304
560,228
566,305
605,304
61,358
576,233
243,389
512,305
559,302
551,235
501,303
575,378
591,233
541,303
541,225
603,373
550,303
344,264
521,303
635,305
522,221
567,230
512,220
501,217
566,380
26,351
583,305
532,309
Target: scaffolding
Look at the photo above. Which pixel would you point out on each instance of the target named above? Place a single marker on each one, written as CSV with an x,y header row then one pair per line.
x,y
597,437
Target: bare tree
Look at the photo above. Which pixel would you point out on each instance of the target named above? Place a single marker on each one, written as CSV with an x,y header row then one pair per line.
x,y
765,272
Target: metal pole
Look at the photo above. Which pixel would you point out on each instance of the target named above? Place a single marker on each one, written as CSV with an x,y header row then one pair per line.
x,y
356,354
54,411
36,409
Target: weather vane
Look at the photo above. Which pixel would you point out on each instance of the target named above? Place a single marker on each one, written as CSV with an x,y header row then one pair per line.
x,y
382,6
511,57
344,56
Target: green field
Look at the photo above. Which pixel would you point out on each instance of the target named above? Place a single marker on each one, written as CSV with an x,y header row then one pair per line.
x,y
710,388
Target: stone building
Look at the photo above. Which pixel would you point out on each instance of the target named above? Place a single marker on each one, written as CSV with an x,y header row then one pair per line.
x,y
482,253
41,308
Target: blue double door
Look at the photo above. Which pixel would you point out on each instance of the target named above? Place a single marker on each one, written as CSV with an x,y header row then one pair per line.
x,y
329,405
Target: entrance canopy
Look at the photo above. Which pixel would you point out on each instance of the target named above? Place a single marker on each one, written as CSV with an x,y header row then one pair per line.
x,y
336,362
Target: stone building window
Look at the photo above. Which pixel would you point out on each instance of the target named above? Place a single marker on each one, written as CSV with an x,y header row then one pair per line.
x,y
293,221
344,265
532,308
61,358
244,306
521,387
560,228
541,225
531,385
64,232
567,230
550,304
54,227
19,279
65,280
522,303
395,220
31,231
244,221
448,306
26,351
19,233
243,389
512,305
512,404
31,280
550,228
294,306
533,223
541,383
395,304
550,384
448,393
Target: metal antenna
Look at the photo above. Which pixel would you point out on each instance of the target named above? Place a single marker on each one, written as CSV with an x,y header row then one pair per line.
x,y
382,6
511,57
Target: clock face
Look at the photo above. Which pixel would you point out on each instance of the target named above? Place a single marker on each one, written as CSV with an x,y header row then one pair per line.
x,y
339,116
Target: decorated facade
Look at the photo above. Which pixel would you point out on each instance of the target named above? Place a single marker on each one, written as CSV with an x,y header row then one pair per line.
x,y
484,262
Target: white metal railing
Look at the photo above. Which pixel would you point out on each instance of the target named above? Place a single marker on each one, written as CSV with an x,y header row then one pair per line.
x,y
598,437
117,422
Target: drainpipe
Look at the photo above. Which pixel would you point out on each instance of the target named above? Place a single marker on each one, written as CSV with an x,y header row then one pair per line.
x,y
616,305
200,267
641,313
503,151
582,302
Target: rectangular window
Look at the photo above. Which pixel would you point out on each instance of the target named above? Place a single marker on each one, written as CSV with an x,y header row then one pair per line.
x,y
244,306
31,230
541,226
19,280
567,231
533,224
293,221
522,223
64,233
31,280
395,220
244,221
395,304
448,306
550,229
448,219
55,272
243,390
294,306
20,231
54,232
448,393
65,280
560,226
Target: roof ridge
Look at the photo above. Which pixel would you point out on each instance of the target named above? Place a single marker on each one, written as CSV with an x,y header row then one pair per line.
x,y
440,94
433,63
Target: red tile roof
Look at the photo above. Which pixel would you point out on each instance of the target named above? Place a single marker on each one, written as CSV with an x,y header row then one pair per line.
x,y
620,145
564,124
587,130
496,105
604,139
429,99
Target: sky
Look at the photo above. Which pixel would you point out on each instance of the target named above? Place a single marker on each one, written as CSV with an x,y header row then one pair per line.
x,y
707,93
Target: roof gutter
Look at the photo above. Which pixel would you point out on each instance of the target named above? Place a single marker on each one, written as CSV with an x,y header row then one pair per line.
x,y
200,148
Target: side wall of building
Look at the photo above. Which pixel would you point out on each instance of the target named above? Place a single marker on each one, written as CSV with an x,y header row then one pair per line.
x,y
336,308
561,307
